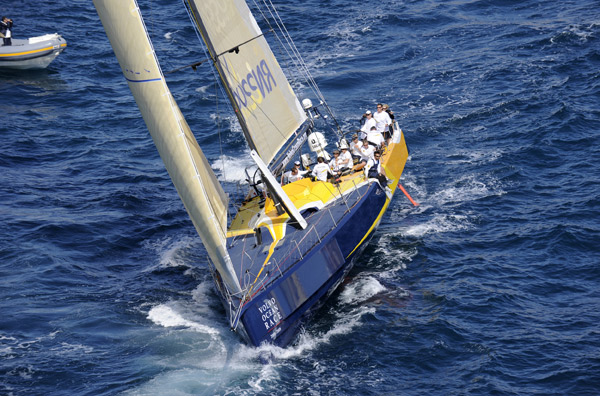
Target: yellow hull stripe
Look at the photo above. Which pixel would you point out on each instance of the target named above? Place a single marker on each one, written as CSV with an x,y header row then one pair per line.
x,y
377,220
399,167
32,51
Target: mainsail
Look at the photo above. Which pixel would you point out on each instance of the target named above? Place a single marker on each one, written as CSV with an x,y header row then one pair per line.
x,y
268,110
195,181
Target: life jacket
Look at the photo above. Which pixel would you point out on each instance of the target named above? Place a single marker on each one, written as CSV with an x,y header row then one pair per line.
x,y
373,171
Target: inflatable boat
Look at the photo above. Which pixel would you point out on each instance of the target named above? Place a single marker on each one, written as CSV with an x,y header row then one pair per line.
x,y
32,53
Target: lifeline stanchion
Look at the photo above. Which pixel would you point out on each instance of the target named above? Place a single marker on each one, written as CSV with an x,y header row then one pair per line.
x,y
407,195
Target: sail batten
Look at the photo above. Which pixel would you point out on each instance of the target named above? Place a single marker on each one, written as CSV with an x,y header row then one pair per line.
x,y
265,104
196,183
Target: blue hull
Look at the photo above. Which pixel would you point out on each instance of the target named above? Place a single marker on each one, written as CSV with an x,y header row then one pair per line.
x,y
276,314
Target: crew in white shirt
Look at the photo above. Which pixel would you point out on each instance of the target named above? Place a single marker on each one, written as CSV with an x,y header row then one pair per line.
x,y
292,175
355,146
369,123
334,164
345,161
366,153
321,170
375,137
382,119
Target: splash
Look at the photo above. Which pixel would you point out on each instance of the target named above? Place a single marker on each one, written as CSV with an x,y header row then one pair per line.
x,y
166,316
467,188
171,252
170,35
231,121
232,169
439,224
202,89
361,290
574,33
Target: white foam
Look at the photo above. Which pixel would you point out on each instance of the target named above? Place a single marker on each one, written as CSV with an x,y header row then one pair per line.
x,y
234,367
169,35
166,316
210,365
467,188
24,372
231,120
232,169
346,323
393,259
9,344
206,303
307,341
268,373
582,32
475,157
65,349
202,292
4,338
184,382
5,351
171,252
203,89
440,223
361,290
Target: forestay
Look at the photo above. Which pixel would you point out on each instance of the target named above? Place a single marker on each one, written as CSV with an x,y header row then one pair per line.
x,y
265,103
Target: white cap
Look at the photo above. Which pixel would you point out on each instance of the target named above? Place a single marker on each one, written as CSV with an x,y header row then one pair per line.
x,y
368,112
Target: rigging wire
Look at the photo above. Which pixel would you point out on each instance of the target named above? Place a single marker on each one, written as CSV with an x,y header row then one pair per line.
x,y
297,57
230,75
288,48
205,50
217,84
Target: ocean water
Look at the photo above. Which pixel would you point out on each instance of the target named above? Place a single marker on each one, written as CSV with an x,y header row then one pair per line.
x,y
491,286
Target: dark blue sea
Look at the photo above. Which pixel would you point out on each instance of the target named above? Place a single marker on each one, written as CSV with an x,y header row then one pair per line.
x,y
491,286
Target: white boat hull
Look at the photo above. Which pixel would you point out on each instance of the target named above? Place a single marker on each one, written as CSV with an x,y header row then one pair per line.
x,y
33,53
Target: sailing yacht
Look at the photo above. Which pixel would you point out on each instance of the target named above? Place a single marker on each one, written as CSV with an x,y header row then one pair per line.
x,y
287,247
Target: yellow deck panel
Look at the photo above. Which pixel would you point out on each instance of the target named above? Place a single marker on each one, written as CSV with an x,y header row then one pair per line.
x,y
304,192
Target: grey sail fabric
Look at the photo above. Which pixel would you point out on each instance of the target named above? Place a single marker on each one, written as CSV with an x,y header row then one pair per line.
x,y
196,183
268,108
